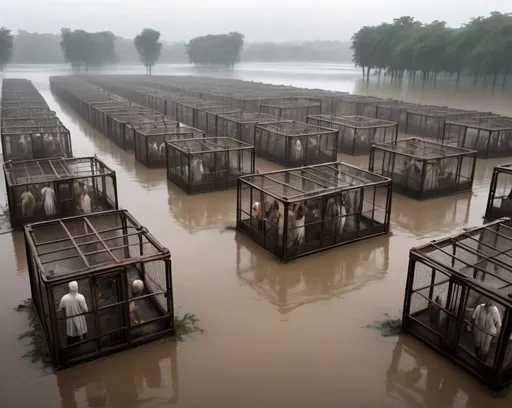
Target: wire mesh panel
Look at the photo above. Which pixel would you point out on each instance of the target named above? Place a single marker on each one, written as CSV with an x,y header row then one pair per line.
x,y
352,105
40,143
457,299
397,112
304,210
421,169
357,134
208,164
150,144
490,136
499,201
295,144
297,110
206,118
46,189
429,122
241,125
100,283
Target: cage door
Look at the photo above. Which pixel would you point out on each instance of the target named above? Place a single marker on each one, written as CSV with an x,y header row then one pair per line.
x,y
456,300
111,311
67,203
37,146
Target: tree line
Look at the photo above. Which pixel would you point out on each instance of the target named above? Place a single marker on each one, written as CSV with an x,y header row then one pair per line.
x,y
480,48
216,49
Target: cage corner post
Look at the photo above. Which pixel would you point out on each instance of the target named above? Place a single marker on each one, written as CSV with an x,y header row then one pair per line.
x,y
170,294
492,194
408,292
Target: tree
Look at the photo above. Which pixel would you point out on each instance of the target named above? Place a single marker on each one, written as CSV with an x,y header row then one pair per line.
x,y
87,50
6,42
148,47
482,47
216,50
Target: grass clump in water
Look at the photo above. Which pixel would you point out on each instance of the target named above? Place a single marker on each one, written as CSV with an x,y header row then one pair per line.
x,y
391,326
38,352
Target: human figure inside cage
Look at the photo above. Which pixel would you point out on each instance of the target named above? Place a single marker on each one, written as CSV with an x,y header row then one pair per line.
x,y
137,290
74,306
486,325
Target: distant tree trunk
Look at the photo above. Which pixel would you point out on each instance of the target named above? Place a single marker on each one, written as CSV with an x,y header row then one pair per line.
x,y
494,79
363,70
458,77
368,74
504,79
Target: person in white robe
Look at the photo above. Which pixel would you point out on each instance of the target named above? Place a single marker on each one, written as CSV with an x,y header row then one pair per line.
x,y
49,200
74,305
137,290
486,323
28,203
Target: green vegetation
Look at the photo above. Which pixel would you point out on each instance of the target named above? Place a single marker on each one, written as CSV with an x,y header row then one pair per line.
x,y
38,352
149,48
87,50
391,326
480,48
6,43
216,50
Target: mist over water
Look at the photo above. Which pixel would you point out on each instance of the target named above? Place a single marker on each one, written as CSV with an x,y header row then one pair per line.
x,y
276,335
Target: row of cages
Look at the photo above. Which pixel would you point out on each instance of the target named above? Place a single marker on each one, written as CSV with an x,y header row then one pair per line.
x,y
100,283
29,129
119,120
457,299
487,133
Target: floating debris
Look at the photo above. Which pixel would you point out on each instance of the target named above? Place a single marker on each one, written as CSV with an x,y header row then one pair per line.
x,y
388,327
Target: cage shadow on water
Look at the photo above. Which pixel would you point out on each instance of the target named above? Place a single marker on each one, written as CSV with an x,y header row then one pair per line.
x,y
457,300
289,287
296,212
208,164
357,134
104,253
293,144
421,169
490,136
46,189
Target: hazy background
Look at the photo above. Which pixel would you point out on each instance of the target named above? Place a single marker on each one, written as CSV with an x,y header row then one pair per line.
x,y
263,20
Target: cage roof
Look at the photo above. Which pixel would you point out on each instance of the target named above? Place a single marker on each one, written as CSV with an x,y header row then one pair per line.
x,y
355,121
19,130
249,117
312,181
46,170
422,149
219,109
83,245
208,144
287,103
164,131
293,128
486,248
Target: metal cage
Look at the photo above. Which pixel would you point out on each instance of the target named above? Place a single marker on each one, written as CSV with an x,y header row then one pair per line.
x,y
490,136
208,164
290,109
104,253
457,299
357,134
241,125
206,119
429,122
46,189
421,169
150,143
295,144
499,200
319,207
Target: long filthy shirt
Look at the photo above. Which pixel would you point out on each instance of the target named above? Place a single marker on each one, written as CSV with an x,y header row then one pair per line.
x,y
74,304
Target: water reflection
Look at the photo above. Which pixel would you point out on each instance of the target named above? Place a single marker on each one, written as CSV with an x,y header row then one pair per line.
x,y
149,378
445,213
18,243
289,286
196,213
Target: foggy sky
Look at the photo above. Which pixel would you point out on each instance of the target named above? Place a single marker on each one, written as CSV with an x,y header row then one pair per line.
x,y
258,20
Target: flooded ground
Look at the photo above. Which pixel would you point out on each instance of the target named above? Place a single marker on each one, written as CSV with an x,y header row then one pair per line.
x,y
275,335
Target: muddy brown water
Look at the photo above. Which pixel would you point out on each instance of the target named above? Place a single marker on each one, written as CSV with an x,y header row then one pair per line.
x,y
275,335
